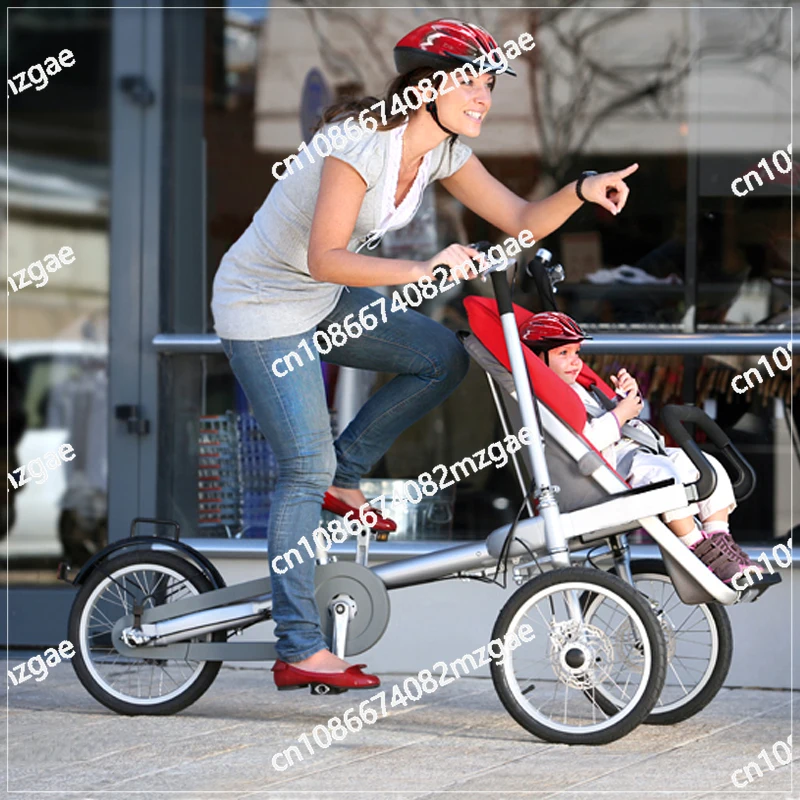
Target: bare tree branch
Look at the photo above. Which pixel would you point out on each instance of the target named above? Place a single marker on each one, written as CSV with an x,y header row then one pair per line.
x,y
591,89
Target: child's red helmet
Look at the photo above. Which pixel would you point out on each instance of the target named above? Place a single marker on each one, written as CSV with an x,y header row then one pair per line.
x,y
551,329
444,44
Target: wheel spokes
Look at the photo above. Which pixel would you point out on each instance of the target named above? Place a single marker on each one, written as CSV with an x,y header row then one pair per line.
x,y
135,680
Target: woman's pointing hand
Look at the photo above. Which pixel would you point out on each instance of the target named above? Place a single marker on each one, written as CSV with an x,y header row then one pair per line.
x,y
609,189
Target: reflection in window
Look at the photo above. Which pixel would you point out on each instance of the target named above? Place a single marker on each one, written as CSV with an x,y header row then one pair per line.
x,y
58,180
695,97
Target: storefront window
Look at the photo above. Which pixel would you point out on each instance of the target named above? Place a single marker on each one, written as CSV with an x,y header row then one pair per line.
x,y
58,290
687,255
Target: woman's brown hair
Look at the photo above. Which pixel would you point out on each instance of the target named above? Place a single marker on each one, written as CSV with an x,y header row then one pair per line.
x,y
350,108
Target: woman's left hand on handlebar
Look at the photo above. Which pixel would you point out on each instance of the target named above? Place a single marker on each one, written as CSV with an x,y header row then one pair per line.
x,y
609,189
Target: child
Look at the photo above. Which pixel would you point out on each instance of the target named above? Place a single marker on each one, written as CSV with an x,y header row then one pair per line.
x,y
630,447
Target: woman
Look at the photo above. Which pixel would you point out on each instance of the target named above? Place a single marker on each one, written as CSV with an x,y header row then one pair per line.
x,y
298,268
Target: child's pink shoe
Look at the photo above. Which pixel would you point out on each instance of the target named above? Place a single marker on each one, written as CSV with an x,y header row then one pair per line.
x,y
750,569
715,552
726,540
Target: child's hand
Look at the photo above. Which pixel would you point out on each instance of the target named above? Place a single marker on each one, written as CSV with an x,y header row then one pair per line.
x,y
628,408
625,382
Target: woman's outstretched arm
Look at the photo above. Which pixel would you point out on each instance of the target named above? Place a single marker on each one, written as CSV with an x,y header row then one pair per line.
x,y
482,193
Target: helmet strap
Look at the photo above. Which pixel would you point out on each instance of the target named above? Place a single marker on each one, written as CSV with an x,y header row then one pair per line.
x,y
431,109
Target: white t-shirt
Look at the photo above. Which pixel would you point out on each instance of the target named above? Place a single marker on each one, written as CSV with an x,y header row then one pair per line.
x,y
263,288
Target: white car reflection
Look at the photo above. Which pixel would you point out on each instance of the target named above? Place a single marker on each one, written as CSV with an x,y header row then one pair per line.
x,y
65,400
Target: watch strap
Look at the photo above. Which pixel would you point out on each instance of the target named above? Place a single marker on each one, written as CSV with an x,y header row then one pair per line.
x,y
587,174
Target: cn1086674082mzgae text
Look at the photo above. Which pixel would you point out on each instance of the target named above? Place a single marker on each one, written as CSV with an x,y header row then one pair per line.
x,y
779,750
51,461
425,485
337,728
412,294
51,658
338,135
51,67
36,270
782,360
782,162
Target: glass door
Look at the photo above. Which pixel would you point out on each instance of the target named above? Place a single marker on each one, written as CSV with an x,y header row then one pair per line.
x,y
68,118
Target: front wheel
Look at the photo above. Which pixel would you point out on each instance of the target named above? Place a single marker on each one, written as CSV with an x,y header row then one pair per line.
x,y
549,684
146,685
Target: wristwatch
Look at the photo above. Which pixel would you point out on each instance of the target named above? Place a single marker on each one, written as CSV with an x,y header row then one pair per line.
x,y
587,174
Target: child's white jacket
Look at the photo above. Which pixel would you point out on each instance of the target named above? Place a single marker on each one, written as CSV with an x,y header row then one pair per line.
x,y
604,431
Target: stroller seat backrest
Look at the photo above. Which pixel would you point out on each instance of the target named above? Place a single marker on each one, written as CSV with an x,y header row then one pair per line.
x,y
564,413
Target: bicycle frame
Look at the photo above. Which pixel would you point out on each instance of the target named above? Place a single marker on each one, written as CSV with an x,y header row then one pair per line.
x,y
552,535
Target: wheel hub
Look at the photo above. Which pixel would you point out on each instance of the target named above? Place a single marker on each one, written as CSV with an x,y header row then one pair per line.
x,y
579,654
575,657
669,632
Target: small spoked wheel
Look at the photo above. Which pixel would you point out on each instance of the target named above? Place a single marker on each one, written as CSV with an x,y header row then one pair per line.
x,y
550,683
137,685
699,645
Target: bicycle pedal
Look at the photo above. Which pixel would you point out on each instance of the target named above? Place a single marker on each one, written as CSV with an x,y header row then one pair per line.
x,y
324,688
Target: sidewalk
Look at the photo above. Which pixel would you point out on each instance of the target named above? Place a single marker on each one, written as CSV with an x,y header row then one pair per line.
x,y
457,744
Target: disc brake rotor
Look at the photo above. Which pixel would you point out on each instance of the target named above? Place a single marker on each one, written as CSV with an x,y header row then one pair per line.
x,y
580,654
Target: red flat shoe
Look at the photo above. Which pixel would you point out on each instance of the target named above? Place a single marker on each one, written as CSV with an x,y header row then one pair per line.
x,y
337,506
289,677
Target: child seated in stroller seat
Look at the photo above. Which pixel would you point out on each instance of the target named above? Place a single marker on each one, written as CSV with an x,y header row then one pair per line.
x,y
637,451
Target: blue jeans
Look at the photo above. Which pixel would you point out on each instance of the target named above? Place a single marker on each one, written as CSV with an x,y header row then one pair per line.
x,y
428,361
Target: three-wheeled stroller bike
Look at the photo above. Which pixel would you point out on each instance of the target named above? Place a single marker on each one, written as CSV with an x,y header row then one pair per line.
x,y
617,641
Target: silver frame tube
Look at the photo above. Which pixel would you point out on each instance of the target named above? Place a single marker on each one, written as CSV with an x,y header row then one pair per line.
x,y
435,566
548,507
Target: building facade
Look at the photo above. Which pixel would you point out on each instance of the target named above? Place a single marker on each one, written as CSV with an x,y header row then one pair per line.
x,y
149,156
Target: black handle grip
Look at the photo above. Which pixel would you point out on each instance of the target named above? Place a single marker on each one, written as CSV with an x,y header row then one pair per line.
x,y
673,418
150,520
502,291
745,482
481,246
535,276
541,279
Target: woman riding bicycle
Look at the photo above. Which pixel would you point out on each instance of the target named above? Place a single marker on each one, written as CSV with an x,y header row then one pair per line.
x,y
297,268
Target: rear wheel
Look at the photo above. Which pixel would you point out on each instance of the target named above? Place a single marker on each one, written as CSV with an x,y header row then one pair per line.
x,y
549,684
699,645
146,685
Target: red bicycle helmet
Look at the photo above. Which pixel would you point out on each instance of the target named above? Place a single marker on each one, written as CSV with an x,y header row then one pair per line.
x,y
550,329
445,44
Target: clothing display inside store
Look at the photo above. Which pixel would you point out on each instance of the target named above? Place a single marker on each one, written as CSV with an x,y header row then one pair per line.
x,y
661,377
79,404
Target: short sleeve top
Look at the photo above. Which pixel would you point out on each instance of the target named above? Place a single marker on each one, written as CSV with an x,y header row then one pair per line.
x,y
263,288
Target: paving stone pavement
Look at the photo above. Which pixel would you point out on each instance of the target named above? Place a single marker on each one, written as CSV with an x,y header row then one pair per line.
x,y
456,744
